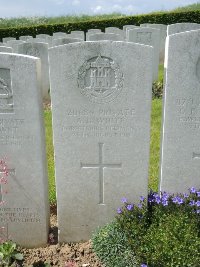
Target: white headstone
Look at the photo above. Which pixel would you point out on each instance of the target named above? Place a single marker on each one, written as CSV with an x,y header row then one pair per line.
x,y
128,27
37,40
6,39
6,49
92,31
25,212
163,35
25,37
59,34
180,157
65,40
14,44
181,27
42,35
101,102
115,30
147,36
39,50
105,36
78,34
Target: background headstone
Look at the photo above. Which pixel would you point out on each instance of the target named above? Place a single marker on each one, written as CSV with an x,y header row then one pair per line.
x,y
180,153
59,34
25,212
65,40
6,49
14,44
115,30
39,50
181,27
147,36
78,34
6,39
101,102
128,27
105,36
92,31
25,37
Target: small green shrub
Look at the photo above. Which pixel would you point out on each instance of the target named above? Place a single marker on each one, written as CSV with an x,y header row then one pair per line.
x,y
161,231
157,89
8,254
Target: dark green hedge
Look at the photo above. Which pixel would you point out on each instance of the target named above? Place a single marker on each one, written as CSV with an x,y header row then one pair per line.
x,y
162,18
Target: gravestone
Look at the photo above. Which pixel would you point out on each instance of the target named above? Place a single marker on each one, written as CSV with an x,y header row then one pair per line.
x,y
128,27
115,30
6,49
77,34
14,44
2,44
147,36
65,40
24,213
39,50
6,39
180,153
25,37
101,101
182,27
37,40
59,35
42,35
92,31
163,35
105,36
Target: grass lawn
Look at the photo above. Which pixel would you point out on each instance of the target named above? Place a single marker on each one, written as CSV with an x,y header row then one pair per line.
x,y
154,150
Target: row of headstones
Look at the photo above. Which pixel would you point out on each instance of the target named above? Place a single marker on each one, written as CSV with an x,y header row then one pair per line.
x,y
148,34
101,105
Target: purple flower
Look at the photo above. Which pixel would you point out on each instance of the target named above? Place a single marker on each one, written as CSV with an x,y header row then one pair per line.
x,y
185,195
180,200
198,211
192,203
193,190
158,200
165,203
174,200
119,211
165,196
140,205
198,203
142,198
143,265
129,207
124,200
198,193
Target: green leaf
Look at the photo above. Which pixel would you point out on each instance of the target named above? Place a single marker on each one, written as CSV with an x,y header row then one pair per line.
x,y
18,256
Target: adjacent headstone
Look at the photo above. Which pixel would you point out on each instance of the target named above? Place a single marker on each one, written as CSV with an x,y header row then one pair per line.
x,y
180,153
105,36
78,34
163,35
126,28
2,44
42,35
147,36
101,102
14,44
44,38
115,30
25,212
92,31
182,27
65,40
59,34
6,39
25,37
6,49
39,50
37,40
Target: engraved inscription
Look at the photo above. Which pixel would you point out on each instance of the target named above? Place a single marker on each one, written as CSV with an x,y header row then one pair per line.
x,y
33,51
198,69
100,79
19,215
11,172
144,37
6,94
101,165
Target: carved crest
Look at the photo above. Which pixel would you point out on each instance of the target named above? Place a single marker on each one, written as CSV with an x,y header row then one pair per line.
x,y
6,97
100,79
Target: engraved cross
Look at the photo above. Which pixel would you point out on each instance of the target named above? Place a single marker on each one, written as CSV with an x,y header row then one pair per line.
x,y
101,166
11,172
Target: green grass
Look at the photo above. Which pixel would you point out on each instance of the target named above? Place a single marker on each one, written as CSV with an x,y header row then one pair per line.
x,y
154,149
191,7
161,72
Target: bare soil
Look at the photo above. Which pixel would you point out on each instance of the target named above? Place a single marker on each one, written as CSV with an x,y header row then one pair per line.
x,y
60,255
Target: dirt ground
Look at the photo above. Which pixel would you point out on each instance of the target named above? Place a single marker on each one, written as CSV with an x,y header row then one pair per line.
x,y
61,255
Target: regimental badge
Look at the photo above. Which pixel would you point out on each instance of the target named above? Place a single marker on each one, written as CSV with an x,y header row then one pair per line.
x,y
100,79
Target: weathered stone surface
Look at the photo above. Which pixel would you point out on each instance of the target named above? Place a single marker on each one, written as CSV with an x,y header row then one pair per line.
x,y
92,31
101,102
39,50
147,36
163,35
115,30
59,34
78,34
126,28
25,37
14,44
180,158
6,49
105,36
65,40
6,39
25,212
181,27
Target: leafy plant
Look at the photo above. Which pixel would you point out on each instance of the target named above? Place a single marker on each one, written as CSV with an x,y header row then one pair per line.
x,y
161,231
8,254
